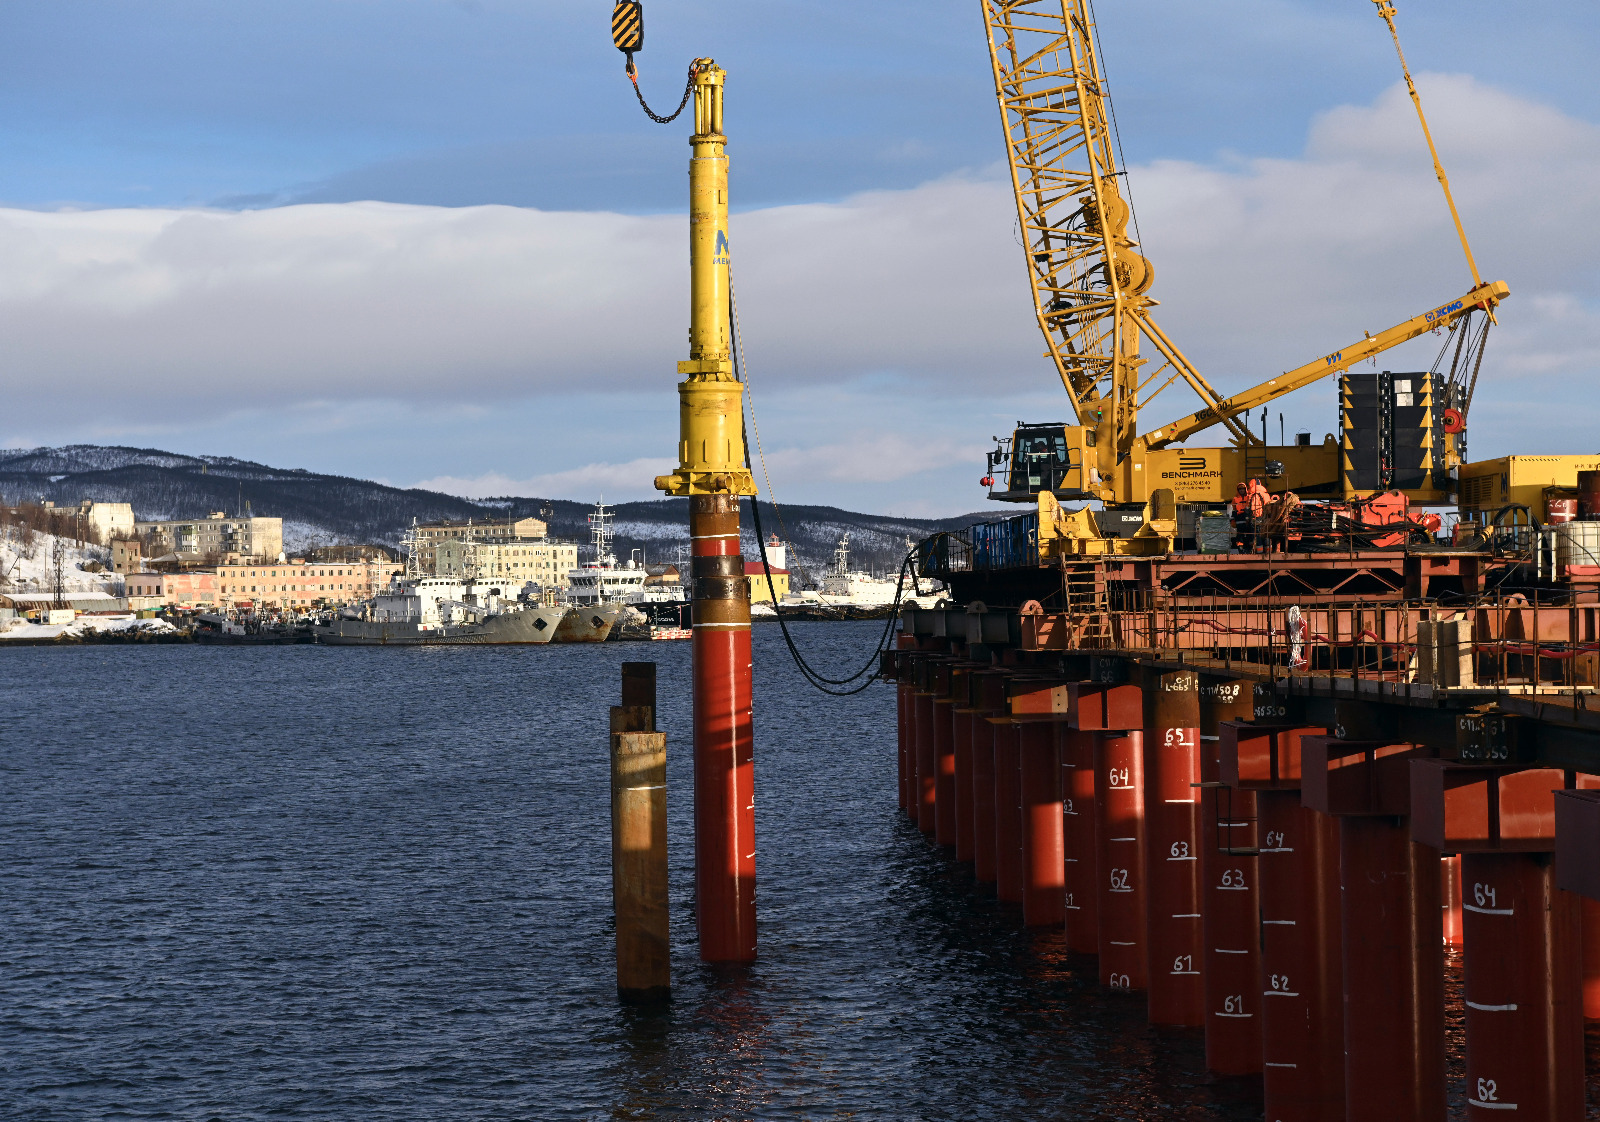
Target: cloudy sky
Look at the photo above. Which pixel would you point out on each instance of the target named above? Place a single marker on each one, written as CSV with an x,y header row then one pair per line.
x,y
437,242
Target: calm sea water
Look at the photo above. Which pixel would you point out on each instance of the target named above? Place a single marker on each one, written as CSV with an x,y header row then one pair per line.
x,y
357,883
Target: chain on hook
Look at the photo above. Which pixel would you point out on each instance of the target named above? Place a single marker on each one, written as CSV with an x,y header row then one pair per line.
x,y
627,32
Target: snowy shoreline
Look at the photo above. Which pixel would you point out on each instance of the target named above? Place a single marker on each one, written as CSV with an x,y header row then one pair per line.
x,y
94,629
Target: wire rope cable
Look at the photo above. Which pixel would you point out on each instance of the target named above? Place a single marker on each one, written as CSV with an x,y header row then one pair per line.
x,y
1472,386
742,375
1116,133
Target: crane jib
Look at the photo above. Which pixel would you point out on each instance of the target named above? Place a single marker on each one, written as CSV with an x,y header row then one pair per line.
x,y
1485,297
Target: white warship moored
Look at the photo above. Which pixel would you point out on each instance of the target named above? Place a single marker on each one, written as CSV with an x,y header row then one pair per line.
x,y
851,588
605,586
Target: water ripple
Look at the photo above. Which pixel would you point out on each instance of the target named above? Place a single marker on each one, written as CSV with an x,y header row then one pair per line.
x,y
313,883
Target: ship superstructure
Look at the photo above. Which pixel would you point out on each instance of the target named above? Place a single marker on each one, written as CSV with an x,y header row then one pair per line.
x,y
605,580
415,610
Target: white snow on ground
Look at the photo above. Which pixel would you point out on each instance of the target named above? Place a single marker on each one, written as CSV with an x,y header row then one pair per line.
x,y
30,568
652,531
21,629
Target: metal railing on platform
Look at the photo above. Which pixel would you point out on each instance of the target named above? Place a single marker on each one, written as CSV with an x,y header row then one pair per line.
x,y
1009,543
1510,641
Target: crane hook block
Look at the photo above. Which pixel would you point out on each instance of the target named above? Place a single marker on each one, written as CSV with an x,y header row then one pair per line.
x,y
627,27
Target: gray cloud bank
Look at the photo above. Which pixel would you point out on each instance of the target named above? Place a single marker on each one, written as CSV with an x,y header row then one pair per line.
x,y
1261,265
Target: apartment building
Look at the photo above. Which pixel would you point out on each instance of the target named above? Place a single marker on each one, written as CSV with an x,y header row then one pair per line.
x,y
218,533
143,586
300,584
96,522
515,561
127,555
505,529
105,521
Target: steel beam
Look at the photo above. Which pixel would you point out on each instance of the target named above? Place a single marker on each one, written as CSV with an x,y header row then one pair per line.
x,y
1578,872
923,703
944,771
1008,881
1105,707
983,855
1450,899
963,721
1524,1012
1393,972
905,715
1523,943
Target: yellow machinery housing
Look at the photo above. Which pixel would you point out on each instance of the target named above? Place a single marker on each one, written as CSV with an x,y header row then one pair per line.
x,y
1489,486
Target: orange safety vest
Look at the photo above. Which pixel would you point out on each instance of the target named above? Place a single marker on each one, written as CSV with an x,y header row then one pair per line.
x,y
1257,497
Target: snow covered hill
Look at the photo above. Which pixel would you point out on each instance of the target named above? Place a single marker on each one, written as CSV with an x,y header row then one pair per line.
x,y
322,509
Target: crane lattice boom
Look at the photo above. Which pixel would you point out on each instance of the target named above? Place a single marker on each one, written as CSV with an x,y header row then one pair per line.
x,y
1088,279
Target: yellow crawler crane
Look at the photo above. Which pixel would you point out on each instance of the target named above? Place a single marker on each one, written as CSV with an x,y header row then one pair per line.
x,y
1091,288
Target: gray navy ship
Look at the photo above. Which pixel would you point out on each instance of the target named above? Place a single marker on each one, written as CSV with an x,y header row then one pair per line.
x,y
415,611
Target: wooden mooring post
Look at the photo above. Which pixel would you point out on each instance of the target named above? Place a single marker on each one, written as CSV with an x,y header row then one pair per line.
x,y
639,839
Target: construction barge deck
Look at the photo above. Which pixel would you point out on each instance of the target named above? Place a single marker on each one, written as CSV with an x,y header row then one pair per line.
x,y
1272,791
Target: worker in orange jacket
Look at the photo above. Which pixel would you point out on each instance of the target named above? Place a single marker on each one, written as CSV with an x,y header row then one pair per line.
x,y
1249,505
1259,498
1240,513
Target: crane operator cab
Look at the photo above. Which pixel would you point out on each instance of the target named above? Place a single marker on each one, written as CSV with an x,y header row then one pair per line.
x,y
1039,457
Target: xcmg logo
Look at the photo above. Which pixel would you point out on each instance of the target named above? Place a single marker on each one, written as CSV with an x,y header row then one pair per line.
x,y
1446,310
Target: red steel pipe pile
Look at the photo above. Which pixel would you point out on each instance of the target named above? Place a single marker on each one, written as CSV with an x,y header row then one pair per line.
x,y
1080,843
1120,833
1044,886
1172,874
1292,892
724,746
944,771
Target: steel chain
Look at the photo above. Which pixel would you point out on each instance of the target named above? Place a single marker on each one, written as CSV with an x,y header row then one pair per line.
x,y
688,88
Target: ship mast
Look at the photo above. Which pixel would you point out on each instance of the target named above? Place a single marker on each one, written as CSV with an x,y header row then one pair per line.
x,y
411,543
600,533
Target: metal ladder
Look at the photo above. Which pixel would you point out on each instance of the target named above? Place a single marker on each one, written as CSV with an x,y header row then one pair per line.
x,y
1087,615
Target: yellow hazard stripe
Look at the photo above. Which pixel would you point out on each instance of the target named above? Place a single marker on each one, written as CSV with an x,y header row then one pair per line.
x,y
626,25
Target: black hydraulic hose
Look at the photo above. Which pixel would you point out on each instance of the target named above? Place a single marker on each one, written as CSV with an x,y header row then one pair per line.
x,y
817,679
813,676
